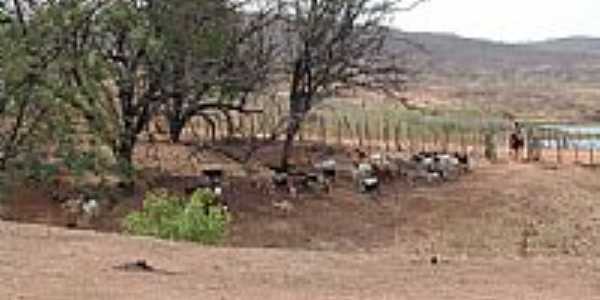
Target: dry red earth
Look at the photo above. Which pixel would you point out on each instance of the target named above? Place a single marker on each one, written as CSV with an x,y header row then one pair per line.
x,y
37,262
506,231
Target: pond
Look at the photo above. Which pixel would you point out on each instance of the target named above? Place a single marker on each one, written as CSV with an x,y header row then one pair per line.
x,y
583,137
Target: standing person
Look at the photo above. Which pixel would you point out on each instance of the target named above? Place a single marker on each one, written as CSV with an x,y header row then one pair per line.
x,y
517,142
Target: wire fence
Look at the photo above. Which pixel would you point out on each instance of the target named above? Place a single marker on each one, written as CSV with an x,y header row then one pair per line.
x,y
400,130
369,130
563,143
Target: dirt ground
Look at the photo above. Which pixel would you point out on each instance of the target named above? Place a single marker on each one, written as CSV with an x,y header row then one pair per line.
x,y
44,263
503,209
505,231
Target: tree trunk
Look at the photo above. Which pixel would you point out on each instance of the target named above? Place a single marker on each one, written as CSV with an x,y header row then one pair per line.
x,y
288,145
300,103
124,151
176,126
229,123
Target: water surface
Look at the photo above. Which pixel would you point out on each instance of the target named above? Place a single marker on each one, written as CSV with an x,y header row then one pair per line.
x,y
578,136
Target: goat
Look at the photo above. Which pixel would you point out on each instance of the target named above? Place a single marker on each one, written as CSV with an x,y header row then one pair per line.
x,y
327,168
215,180
284,206
465,162
433,166
90,208
80,210
280,179
445,165
366,178
383,167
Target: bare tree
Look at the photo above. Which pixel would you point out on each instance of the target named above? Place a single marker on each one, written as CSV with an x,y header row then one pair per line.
x,y
219,70
335,43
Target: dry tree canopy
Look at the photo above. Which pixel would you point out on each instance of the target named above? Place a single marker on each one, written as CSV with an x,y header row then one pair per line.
x,y
117,64
335,43
343,42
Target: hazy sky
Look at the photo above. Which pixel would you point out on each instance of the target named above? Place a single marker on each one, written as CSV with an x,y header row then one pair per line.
x,y
507,20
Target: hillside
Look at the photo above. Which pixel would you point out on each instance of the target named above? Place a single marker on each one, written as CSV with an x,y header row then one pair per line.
x,y
340,248
554,79
577,45
452,52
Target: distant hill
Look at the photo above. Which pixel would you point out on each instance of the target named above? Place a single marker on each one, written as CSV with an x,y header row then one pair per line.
x,y
554,79
452,54
577,44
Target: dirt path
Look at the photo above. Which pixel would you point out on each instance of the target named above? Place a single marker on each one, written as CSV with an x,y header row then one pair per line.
x,y
47,264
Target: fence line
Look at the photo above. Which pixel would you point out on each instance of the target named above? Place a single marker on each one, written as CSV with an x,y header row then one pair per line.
x,y
412,134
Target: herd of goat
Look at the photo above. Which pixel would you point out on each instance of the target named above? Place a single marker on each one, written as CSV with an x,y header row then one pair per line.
x,y
370,171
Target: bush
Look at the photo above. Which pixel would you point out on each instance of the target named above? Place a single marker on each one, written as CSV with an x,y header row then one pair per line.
x,y
37,171
201,219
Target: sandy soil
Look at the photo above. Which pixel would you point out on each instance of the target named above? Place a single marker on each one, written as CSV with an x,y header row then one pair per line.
x,y
501,209
504,209
505,231
46,264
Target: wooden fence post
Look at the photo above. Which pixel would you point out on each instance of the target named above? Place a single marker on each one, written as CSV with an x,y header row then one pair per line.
x,y
367,134
339,132
263,125
241,126
409,136
549,139
576,144
558,148
379,138
349,129
323,129
215,134
480,140
279,112
359,133
463,142
423,139
207,132
386,134
436,140
221,131
591,154
447,138
253,126
397,130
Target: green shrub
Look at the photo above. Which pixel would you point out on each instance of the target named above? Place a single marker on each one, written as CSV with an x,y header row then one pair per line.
x,y
36,171
201,219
